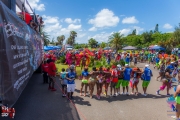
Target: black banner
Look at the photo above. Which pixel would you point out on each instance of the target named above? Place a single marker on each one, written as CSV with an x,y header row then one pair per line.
x,y
20,55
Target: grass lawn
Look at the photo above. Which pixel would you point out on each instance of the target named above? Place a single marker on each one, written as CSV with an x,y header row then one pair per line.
x,y
78,69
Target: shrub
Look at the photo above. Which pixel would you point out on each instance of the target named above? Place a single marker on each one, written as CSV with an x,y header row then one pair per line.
x,y
58,61
62,59
122,62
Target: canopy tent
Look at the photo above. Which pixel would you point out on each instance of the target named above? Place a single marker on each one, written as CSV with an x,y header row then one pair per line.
x,y
129,48
47,48
156,47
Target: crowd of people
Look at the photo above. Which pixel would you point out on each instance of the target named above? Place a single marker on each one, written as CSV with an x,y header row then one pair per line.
x,y
116,76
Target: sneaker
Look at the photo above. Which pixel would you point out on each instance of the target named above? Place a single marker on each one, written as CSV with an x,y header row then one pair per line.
x,y
168,94
114,95
122,93
145,94
118,93
127,93
136,93
157,93
53,89
64,95
99,97
132,93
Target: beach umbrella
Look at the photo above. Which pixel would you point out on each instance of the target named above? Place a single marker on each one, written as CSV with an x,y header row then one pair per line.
x,y
129,48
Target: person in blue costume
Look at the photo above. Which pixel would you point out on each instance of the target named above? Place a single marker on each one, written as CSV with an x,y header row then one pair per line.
x,y
177,98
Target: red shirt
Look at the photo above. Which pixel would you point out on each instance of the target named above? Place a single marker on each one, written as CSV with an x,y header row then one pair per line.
x,y
45,67
28,17
52,69
114,74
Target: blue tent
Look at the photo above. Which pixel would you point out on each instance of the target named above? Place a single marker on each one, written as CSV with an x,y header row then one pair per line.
x,y
46,48
157,48
56,47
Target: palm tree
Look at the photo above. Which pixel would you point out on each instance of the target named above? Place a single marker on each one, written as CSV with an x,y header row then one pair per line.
x,y
73,35
177,34
60,39
45,37
69,41
116,41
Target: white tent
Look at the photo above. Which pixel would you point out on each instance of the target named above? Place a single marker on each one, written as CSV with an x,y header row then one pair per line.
x,y
129,48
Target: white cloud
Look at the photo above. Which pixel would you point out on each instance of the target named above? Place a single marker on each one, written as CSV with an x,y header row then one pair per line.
x,y
167,26
125,32
138,29
130,20
93,29
81,35
69,20
52,24
74,27
102,37
49,19
36,5
104,18
54,28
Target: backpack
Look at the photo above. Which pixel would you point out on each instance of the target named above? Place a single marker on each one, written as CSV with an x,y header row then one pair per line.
x,y
143,76
63,75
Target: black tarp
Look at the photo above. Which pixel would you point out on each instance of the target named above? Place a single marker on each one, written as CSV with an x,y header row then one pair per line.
x,y
20,55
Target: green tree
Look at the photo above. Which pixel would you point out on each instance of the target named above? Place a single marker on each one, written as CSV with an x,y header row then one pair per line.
x,y
147,38
52,42
156,28
69,41
116,41
60,39
103,45
176,34
134,32
45,37
92,43
73,35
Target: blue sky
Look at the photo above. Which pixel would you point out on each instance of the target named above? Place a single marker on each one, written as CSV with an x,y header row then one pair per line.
x,y
98,19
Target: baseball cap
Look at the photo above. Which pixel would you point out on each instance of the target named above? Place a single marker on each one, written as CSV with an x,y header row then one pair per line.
x,y
146,65
126,65
118,65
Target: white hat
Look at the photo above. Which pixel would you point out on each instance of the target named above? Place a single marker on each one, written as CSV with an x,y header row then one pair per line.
x,y
118,65
172,62
146,65
126,65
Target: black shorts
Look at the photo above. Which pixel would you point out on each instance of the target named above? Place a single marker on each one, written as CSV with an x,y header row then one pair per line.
x,y
113,84
63,86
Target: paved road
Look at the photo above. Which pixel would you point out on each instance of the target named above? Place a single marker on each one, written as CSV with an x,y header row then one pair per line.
x,y
37,103
131,107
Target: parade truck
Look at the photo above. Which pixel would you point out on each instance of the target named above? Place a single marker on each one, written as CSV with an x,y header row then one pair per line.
x,y
21,50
